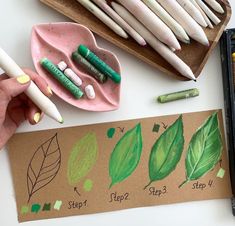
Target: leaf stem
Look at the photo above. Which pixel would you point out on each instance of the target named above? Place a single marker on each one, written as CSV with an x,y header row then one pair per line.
x,y
186,181
147,185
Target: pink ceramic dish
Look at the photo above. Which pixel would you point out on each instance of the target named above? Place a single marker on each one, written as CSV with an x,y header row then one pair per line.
x,y
57,41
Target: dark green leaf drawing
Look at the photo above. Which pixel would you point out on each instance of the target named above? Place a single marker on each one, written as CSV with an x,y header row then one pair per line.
x,y
126,155
82,158
166,152
205,149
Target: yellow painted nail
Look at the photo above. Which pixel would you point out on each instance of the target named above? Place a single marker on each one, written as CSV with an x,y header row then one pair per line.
x,y
49,90
36,117
23,79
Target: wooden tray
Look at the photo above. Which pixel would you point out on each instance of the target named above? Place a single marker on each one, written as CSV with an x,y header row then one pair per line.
x,y
195,54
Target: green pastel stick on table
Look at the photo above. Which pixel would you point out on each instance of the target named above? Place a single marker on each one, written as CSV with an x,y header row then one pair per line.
x,y
99,64
79,59
178,95
61,77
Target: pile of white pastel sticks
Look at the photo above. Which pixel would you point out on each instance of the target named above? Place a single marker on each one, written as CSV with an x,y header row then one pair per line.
x,y
160,23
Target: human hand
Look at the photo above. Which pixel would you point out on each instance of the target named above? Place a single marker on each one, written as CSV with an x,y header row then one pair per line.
x,y
15,106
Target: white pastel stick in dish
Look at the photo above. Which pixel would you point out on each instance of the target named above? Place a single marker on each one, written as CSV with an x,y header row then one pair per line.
x,y
215,5
208,12
193,12
103,17
152,22
193,29
107,9
73,76
168,20
90,92
203,14
158,46
62,65
33,92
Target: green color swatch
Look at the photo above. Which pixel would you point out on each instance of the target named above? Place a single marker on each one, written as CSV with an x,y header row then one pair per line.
x,y
35,208
126,155
205,149
221,173
88,185
82,158
24,209
110,132
58,205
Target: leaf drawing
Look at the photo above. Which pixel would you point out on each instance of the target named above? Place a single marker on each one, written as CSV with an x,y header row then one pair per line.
x,y
205,149
126,155
44,165
82,158
166,152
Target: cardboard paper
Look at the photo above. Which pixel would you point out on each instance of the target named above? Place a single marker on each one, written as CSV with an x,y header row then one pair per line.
x,y
105,167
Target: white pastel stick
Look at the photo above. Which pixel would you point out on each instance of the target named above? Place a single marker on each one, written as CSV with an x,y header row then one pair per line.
x,y
103,17
193,29
215,5
152,22
168,20
107,9
203,14
73,76
62,65
90,92
208,12
162,49
33,92
193,12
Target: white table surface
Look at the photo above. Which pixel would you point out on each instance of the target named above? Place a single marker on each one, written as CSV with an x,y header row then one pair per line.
x,y
141,83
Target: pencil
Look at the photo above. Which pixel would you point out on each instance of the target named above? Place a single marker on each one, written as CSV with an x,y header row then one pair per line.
x,y
107,9
103,17
193,12
203,14
162,49
168,20
193,29
208,12
215,5
152,22
33,92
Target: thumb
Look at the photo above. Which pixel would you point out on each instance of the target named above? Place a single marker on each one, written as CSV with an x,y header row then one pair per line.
x,y
10,88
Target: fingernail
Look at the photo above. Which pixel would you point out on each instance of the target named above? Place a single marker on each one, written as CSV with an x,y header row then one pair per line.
x,y
36,117
49,90
23,79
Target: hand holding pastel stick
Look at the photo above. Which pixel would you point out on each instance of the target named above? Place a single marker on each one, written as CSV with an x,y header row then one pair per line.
x,y
15,106
33,92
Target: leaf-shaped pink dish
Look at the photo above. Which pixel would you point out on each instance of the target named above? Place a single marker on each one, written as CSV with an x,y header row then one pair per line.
x,y
57,42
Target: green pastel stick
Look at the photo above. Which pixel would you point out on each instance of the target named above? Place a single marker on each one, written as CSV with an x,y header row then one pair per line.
x,y
99,64
61,77
178,95
79,59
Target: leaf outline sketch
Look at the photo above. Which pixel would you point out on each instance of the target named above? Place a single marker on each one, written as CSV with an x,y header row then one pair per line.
x,y
200,162
33,175
166,151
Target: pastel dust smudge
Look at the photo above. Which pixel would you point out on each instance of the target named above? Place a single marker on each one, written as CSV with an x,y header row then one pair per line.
x,y
35,208
88,185
24,209
58,204
111,132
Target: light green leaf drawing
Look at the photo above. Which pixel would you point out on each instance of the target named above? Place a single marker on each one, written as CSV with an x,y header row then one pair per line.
x,y
126,155
82,158
205,149
166,152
